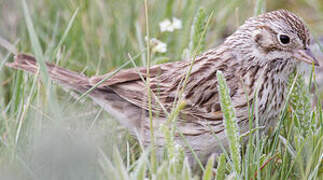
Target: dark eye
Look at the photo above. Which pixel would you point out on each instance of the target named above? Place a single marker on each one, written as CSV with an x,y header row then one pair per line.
x,y
284,39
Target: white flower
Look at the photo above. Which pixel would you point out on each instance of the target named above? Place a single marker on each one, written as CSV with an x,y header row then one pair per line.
x,y
167,25
177,24
157,45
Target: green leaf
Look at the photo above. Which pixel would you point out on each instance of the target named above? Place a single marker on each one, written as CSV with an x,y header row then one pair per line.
x,y
300,103
120,167
260,7
169,8
197,32
230,122
208,174
186,171
140,171
220,171
35,44
67,30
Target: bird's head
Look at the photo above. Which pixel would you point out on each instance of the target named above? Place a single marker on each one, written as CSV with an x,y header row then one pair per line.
x,y
278,34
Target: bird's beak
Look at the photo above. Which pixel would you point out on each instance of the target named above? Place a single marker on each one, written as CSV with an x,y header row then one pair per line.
x,y
306,56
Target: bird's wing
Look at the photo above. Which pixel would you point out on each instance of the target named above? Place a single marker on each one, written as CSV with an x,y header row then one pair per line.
x,y
200,93
130,84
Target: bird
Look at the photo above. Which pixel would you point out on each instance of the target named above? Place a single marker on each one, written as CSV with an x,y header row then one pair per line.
x,y
259,56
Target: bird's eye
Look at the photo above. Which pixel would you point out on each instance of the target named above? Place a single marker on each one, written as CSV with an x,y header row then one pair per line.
x,y
284,39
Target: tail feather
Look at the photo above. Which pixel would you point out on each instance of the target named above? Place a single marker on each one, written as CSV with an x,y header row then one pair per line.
x,y
103,96
65,77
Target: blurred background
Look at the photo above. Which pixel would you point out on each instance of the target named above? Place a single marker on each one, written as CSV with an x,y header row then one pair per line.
x,y
42,133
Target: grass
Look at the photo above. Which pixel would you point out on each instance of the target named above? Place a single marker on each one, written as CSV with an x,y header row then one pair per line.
x,y
46,134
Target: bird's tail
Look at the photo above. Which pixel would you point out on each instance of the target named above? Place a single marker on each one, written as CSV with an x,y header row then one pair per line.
x,y
65,77
103,96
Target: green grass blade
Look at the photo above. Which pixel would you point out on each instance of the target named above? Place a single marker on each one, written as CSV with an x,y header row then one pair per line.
x,y
197,42
230,122
35,44
260,7
220,171
67,30
208,173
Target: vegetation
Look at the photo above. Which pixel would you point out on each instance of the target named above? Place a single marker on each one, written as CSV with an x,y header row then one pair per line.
x,y
47,132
